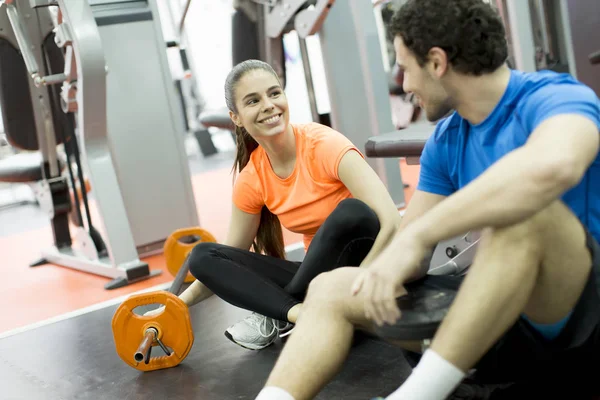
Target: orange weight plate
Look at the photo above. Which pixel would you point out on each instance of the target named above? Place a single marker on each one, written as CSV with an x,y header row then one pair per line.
x,y
172,324
176,250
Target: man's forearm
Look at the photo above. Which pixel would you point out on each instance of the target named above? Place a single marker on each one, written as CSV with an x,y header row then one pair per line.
x,y
505,194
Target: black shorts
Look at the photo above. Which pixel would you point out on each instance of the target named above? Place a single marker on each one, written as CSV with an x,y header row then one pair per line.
x,y
524,355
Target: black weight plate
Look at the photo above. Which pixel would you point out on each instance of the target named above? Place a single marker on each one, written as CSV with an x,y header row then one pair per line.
x,y
422,311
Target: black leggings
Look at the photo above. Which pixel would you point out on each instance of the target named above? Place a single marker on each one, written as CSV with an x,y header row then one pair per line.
x,y
271,286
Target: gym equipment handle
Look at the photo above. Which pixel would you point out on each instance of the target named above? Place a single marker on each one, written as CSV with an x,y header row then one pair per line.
x,y
22,39
595,57
25,47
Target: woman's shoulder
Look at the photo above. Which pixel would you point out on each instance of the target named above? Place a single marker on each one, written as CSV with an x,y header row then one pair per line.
x,y
248,179
314,132
251,168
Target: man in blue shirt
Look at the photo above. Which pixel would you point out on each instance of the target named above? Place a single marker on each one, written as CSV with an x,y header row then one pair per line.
x,y
517,160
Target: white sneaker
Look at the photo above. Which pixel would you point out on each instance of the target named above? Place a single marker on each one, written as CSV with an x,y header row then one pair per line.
x,y
256,331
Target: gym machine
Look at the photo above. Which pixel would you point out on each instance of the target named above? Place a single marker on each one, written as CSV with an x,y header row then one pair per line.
x,y
192,101
119,114
554,35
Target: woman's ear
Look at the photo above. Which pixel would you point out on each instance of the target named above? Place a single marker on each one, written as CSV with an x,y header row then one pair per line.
x,y
235,118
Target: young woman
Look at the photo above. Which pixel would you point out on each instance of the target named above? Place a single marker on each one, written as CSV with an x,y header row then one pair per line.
x,y
306,177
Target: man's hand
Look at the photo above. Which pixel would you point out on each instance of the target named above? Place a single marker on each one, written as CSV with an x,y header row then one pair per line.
x,y
383,281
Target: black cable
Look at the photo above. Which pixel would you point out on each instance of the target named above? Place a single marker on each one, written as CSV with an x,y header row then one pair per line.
x,y
69,137
60,129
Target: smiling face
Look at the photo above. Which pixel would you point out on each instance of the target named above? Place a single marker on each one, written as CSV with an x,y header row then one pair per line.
x,y
424,81
262,107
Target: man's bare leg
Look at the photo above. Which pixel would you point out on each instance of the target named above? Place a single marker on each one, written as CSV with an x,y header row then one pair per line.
x,y
526,262
538,267
322,337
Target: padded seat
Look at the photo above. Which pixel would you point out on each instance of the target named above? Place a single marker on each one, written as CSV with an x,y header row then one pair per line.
x,y
23,168
218,118
407,142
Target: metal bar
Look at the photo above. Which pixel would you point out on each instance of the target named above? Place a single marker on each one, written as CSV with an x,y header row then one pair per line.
x,y
143,351
51,138
180,277
52,79
543,26
519,16
67,258
310,87
163,347
22,39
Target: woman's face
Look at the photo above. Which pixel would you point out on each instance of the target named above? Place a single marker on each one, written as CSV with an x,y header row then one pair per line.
x,y
261,104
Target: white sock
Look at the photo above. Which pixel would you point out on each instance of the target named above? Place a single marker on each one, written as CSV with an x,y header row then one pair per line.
x,y
274,393
432,379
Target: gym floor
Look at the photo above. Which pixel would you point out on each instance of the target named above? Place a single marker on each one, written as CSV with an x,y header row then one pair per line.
x,y
56,338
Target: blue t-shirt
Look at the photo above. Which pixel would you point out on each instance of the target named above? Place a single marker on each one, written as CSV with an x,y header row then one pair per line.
x,y
458,151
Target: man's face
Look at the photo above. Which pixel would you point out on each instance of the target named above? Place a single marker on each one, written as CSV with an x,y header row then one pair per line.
x,y
422,82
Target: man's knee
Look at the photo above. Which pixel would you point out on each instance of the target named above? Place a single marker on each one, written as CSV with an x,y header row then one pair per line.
x,y
527,234
330,292
331,287
530,234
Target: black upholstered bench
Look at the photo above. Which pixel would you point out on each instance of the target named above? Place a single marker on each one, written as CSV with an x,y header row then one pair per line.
x,y
407,143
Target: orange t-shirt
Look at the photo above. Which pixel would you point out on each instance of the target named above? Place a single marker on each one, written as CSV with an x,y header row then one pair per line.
x,y
305,199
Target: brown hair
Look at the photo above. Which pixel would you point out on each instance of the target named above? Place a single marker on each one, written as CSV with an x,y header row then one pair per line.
x,y
269,238
470,31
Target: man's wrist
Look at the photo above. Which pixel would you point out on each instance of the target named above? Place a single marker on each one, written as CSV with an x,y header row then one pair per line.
x,y
420,235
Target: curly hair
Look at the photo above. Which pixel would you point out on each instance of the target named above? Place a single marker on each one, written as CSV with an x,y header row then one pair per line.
x,y
471,33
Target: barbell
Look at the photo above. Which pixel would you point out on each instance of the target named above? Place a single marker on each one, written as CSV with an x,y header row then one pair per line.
x,y
136,335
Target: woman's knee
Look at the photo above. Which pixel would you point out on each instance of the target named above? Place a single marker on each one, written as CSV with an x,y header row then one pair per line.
x,y
202,256
354,215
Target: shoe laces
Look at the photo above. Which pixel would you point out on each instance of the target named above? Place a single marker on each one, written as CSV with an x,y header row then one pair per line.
x,y
262,323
